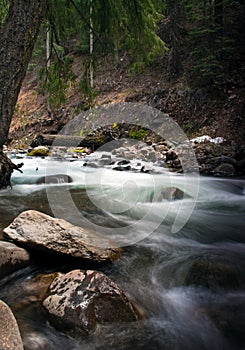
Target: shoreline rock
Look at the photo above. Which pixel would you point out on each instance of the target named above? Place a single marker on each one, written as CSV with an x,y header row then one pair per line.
x,y
216,159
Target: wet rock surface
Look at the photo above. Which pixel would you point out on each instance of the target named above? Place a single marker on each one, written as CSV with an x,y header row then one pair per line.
x,y
12,258
83,299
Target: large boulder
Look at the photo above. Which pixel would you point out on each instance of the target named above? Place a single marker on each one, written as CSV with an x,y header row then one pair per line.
x,y
41,232
12,258
83,299
10,338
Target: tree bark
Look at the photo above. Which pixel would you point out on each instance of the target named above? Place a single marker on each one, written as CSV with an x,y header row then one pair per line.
x,y
17,38
6,169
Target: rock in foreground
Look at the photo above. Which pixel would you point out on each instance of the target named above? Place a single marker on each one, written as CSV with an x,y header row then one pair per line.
x,y
10,338
83,299
12,258
41,232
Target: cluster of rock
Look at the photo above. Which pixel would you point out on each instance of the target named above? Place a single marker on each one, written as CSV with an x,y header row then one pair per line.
x,y
79,299
220,159
204,156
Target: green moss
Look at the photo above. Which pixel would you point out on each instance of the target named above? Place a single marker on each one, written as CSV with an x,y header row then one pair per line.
x,y
39,152
137,134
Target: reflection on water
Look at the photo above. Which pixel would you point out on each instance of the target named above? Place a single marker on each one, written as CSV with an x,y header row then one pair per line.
x,y
153,271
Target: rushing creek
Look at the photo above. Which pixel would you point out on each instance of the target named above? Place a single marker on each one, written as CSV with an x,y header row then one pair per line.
x,y
161,240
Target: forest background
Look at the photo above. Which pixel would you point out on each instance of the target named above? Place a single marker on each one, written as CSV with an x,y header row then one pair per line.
x,y
183,57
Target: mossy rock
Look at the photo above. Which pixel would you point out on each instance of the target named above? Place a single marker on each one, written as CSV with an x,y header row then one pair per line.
x,y
137,134
40,151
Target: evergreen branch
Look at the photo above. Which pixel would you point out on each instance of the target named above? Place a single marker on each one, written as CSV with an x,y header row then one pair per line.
x,y
87,22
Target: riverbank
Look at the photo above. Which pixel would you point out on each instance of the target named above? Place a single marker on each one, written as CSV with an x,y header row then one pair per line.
x,y
215,157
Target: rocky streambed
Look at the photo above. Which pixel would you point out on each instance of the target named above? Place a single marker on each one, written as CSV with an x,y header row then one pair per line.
x,y
79,299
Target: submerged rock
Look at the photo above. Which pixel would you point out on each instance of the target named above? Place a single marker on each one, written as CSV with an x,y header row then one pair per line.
x,y
10,338
12,258
215,275
33,291
41,232
83,299
54,179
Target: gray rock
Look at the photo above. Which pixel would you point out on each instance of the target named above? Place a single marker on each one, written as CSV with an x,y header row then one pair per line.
x,y
171,194
41,232
83,299
12,258
225,169
10,338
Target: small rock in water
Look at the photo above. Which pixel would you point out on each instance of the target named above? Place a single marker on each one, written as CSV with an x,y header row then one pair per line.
x,y
171,194
83,299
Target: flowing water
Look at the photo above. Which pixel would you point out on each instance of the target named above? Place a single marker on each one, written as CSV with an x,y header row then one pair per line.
x,y
162,240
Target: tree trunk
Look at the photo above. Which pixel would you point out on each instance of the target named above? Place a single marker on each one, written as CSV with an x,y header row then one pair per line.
x,y
17,38
174,15
6,170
